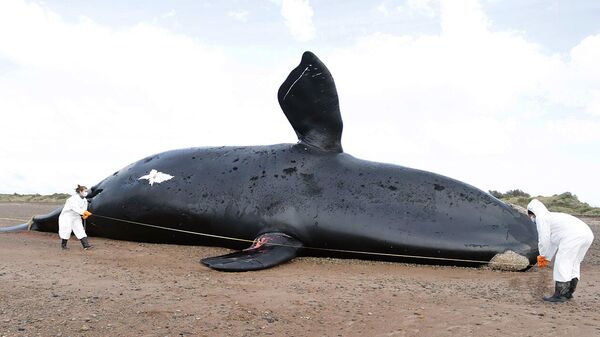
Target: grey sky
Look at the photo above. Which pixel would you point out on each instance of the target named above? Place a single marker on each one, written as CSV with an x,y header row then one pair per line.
x,y
469,89
556,25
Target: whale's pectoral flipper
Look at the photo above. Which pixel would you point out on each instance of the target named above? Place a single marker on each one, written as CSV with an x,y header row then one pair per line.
x,y
309,99
268,250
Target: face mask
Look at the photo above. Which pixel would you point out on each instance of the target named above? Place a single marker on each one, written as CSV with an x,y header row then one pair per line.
x,y
532,219
84,194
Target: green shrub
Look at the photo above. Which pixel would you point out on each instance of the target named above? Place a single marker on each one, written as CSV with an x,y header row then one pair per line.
x,y
51,198
566,202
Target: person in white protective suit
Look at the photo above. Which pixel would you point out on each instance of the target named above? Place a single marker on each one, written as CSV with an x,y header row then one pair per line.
x,y
567,237
70,218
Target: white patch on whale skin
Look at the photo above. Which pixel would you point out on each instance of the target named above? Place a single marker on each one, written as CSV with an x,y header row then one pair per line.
x,y
509,261
298,79
156,177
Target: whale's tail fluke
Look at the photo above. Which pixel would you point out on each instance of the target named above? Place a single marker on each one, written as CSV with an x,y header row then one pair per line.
x,y
47,222
16,228
309,99
44,223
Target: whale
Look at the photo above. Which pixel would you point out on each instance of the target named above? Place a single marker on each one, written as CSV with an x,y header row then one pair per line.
x,y
273,203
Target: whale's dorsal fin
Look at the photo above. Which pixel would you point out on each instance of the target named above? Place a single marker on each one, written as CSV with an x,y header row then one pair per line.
x,y
309,99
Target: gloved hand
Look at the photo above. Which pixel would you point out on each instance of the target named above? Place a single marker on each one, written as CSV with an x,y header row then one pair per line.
x,y
86,215
542,262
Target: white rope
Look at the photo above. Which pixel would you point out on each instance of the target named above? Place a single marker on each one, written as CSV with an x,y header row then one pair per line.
x,y
13,219
333,250
305,247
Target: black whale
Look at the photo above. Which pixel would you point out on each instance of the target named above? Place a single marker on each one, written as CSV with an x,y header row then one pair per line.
x,y
308,194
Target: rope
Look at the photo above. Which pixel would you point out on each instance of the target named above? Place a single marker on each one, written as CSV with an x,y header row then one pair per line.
x,y
175,229
29,222
13,219
305,247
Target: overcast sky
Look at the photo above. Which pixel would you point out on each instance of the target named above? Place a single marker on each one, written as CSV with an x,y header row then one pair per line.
x,y
499,94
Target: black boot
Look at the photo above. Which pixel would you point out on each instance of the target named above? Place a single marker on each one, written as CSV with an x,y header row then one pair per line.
x,y
572,287
63,244
86,244
561,289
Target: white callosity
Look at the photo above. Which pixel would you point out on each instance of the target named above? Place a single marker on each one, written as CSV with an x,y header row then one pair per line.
x,y
70,217
509,261
564,235
156,177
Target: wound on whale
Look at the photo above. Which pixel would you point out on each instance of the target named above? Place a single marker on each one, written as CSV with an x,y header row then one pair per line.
x,y
307,198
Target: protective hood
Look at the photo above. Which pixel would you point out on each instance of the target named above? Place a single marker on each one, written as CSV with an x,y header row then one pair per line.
x,y
536,207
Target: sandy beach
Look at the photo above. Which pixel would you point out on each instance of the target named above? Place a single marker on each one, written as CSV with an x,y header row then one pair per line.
x,y
124,288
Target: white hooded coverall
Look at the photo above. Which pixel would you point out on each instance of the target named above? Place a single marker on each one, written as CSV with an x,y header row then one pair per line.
x,y
70,218
563,234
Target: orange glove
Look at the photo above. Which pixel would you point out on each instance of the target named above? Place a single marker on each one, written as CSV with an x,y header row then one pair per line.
x,y
542,261
86,215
